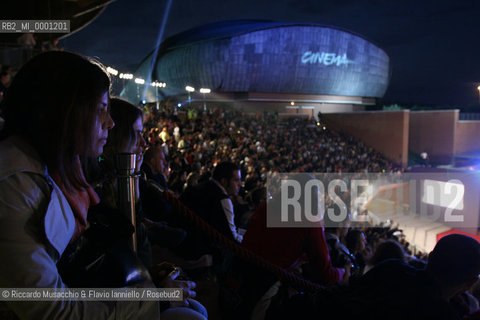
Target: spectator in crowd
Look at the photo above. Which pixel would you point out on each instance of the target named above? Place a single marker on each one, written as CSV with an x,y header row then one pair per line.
x,y
153,137
127,137
212,199
335,233
192,181
4,81
177,180
155,166
356,243
164,135
27,42
388,249
56,117
156,210
176,132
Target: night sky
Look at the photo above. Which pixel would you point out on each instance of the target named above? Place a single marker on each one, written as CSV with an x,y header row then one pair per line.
x,y
434,46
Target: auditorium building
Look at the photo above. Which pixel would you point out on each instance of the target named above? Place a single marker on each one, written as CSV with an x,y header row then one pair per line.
x,y
264,65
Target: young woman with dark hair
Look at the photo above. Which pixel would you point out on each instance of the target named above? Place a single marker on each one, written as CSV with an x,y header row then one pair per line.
x,y
126,137
56,116
57,103
127,134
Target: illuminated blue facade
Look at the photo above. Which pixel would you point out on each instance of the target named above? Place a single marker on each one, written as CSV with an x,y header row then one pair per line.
x,y
253,56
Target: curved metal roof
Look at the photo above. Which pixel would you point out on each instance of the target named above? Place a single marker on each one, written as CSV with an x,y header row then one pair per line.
x,y
266,56
230,28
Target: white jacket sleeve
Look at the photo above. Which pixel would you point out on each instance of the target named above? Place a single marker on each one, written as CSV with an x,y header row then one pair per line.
x,y
29,261
227,206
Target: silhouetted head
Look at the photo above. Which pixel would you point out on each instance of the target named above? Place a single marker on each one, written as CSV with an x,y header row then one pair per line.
x,y
455,261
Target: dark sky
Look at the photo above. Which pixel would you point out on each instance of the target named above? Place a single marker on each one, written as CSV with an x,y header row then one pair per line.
x,y
434,46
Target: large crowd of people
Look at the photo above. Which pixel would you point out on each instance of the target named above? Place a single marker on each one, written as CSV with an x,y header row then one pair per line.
x,y
63,223
259,143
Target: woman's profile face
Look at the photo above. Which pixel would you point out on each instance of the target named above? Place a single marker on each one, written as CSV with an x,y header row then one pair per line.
x,y
138,146
103,123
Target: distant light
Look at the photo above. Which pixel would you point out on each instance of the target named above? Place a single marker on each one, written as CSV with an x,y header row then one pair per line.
x,y
189,89
318,123
158,84
324,128
179,105
205,90
292,103
126,76
478,88
144,101
112,71
139,81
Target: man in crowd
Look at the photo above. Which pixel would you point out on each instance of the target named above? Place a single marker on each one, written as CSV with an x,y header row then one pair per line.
x,y
158,211
211,200
155,166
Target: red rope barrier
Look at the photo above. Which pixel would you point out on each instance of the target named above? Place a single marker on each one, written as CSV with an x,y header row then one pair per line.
x,y
240,251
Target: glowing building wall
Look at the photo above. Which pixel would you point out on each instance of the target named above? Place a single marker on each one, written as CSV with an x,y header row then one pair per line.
x,y
252,56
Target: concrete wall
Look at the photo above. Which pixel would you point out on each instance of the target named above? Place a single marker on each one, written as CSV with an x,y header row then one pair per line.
x,y
336,108
387,131
434,132
285,107
467,137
